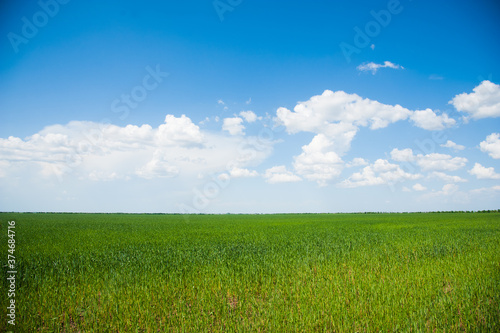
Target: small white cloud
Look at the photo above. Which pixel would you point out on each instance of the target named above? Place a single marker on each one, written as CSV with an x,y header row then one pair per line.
x,y
429,162
372,46
484,102
443,162
220,101
242,173
447,178
279,174
491,145
429,120
452,145
233,126
404,155
488,190
448,189
482,172
373,67
249,101
249,116
357,161
378,173
419,187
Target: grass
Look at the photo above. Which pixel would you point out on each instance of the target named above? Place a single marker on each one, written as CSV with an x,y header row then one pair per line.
x,y
255,273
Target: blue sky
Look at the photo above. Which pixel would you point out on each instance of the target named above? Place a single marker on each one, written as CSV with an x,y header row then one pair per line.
x,y
249,106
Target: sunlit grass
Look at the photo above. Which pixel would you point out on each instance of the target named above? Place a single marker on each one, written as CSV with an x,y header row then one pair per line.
x,y
274,273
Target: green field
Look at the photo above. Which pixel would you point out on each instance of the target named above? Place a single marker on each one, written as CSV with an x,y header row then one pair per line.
x,y
422,272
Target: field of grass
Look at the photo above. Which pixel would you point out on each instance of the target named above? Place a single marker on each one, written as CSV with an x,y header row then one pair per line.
x,y
255,273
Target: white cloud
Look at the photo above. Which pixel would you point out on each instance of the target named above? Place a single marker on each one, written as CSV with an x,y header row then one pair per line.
x,y
443,162
448,189
319,112
158,167
318,162
452,145
373,67
491,145
87,150
488,190
447,178
484,102
338,115
249,116
482,172
378,173
242,173
430,121
233,126
429,162
279,174
335,118
175,131
404,155
419,187
357,161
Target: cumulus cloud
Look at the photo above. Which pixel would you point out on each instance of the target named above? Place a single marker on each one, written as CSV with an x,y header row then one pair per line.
x,y
452,145
242,173
100,152
175,131
335,118
233,126
483,102
447,178
357,161
318,113
373,67
318,162
339,115
442,162
482,172
403,155
378,173
491,145
429,162
279,174
430,121
249,116
419,187
448,189
487,190
158,167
